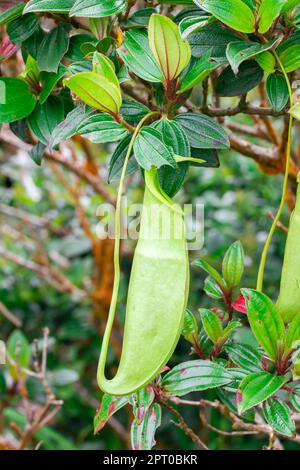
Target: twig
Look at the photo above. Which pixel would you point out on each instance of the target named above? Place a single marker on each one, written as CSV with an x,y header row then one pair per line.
x,y
279,224
10,316
182,425
241,108
30,218
49,274
265,156
7,136
248,130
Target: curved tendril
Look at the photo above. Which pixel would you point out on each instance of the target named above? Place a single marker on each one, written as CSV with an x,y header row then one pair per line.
x,y
261,270
114,300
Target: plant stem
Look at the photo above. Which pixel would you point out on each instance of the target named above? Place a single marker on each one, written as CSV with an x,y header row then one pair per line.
x,y
261,270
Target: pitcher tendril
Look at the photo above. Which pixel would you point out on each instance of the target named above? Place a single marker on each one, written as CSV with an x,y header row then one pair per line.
x,y
261,270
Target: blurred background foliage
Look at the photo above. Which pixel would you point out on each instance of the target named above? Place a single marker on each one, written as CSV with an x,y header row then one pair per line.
x,y
236,196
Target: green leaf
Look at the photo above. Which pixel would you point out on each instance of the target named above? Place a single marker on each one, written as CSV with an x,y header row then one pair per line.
x,y
229,399
295,111
173,136
77,43
195,376
290,58
200,263
53,48
80,66
11,13
32,44
171,179
256,388
277,91
233,13
53,6
123,75
214,38
69,126
238,376
265,321
18,349
16,101
287,43
198,71
278,415
143,434
212,289
170,50
239,51
19,128
137,55
294,398
37,152
266,61
117,161
96,9
139,18
293,334
149,149
109,405
32,73
289,5
102,128
45,118
210,157
99,94
211,324
249,76
190,326
202,131
133,111
233,265
49,81
245,356
192,24
228,331
141,401
22,28
175,2
104,67
268,12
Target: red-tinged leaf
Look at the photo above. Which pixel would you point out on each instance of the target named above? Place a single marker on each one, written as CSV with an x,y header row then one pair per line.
x,y
193,376
256,388
143,433
239,304
141,402
265,321
108,406
7,48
